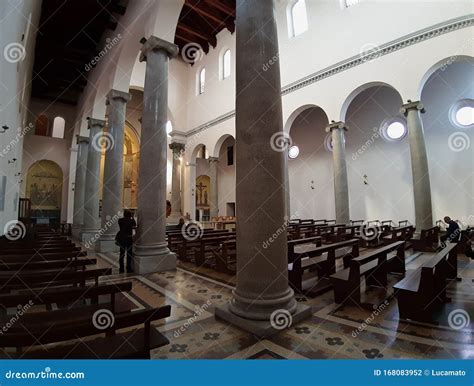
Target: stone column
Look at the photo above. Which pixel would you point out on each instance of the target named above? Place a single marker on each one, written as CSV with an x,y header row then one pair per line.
x,y
419,165
112,194
213,199
176,213
262,297
341,190
91,195
151,251
80,185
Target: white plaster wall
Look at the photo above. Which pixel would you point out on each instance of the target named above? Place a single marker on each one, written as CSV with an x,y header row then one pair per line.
x,y
19,19
225,178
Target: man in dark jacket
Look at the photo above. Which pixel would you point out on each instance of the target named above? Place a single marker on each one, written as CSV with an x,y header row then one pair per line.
x,y
124,239
452,233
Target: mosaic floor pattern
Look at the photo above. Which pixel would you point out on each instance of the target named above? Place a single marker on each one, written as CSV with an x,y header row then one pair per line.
x,y
333,331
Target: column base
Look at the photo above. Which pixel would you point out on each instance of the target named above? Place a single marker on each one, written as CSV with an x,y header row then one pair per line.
x,y
261,328
107,244
153,258
76,231
89,238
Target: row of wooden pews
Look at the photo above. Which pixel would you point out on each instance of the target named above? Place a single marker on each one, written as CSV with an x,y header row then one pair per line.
x,y
54,304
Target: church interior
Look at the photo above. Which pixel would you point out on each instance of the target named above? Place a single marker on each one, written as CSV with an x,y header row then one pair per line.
x,y
236,179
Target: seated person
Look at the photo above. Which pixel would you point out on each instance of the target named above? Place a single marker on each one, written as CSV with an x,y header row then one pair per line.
x,y
452,233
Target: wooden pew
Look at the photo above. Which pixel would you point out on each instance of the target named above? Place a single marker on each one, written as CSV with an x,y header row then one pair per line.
x,y
345,232
49,278
404,233
187,247
426,241
227,258
322,258
423,291
209,249
46,265
33,336
43,256
65,297
374,266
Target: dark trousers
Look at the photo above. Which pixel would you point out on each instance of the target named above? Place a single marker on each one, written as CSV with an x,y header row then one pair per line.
x,y
126,249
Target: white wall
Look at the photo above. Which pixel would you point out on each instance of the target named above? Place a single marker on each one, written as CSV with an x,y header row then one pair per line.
x,y
18,27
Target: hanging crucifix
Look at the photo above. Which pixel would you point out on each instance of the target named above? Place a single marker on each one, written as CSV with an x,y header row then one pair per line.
x,y
200,187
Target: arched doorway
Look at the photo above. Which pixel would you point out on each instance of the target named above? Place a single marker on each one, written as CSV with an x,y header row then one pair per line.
x,y
44,185
203,186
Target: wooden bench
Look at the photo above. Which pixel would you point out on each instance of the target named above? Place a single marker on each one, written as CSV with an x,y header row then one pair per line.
x,y
65,297
33,337
342,233
187,247
374,266
43,256
46,265
426,241
404,233
209,249
322,259
49,278
227,259
421,292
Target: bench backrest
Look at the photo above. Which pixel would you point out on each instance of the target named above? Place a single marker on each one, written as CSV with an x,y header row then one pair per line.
x,y
379,254
329,248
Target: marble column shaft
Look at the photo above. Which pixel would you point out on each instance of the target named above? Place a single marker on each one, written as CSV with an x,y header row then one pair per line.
x,y
262,279
178,149
80,182
341,188
112,194
92,185
419,165
213,195
151,251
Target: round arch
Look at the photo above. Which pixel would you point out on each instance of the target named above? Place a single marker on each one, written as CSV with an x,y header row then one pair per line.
x,y
217,147
357,91
295,114
196,150
440,65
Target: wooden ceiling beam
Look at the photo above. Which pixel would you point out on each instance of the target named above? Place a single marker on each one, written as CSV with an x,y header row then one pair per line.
x,y
229,11
203,10
198,33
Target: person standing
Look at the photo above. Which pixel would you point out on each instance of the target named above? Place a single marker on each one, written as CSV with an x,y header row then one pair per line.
x,y
124,239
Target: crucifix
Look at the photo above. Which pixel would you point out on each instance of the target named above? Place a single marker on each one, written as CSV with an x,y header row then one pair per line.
x,y
200,187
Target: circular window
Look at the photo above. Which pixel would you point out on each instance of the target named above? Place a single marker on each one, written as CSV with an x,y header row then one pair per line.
x,y
393,129
462,113
293,152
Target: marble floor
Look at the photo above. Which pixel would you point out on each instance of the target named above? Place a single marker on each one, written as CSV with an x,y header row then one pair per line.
x,y
333,331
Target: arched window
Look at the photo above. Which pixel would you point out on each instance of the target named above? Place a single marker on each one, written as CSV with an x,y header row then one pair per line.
x,y
41,126
226,64
58,127
202,81
298,18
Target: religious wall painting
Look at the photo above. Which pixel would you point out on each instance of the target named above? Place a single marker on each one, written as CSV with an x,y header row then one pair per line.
x,y
44,185
203,184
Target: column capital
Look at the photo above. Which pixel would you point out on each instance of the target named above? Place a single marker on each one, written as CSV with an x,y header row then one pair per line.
x,y
177,147
95,122
213,159
417,105
80,139
336,125
156,44
116,94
